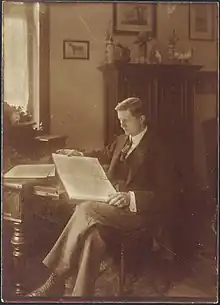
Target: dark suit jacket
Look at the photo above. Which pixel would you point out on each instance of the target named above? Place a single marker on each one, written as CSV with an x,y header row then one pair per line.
x,y
151,176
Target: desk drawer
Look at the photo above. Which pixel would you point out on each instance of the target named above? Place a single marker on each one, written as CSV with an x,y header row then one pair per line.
x,y
12,206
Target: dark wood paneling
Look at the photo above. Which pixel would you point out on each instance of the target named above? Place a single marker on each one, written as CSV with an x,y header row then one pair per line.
x,y
206,82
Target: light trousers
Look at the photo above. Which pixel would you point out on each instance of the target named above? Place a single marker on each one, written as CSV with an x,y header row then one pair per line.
x,y
80,247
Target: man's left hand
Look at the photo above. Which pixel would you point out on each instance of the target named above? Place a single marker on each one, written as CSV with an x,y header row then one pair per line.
x,y
119,199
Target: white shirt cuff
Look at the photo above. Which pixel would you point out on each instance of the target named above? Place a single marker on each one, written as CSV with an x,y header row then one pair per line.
x,y
132,205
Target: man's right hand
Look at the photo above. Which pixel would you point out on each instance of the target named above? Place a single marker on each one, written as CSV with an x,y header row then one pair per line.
x,y
69,152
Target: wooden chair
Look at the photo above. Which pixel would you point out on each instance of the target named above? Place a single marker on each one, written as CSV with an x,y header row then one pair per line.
x,y
127,240
125,257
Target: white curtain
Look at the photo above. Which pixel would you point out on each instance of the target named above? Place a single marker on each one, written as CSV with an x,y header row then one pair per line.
x,y
15,58
36,64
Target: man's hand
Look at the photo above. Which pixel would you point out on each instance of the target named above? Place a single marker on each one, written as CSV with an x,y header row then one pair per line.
x,y
119,199
69,152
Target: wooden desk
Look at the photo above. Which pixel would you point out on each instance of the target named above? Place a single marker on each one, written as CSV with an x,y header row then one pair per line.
x,y
17,196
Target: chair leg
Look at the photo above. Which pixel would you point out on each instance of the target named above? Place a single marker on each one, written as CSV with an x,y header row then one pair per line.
x,y
122,272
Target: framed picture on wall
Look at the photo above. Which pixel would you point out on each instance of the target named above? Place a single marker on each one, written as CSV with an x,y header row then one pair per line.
x,y
75,49
201,21
132,18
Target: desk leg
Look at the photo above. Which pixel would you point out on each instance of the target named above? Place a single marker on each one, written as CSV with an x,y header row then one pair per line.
x,y
17,242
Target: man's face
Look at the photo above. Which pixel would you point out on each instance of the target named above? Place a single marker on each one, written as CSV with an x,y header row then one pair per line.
x,y
130,124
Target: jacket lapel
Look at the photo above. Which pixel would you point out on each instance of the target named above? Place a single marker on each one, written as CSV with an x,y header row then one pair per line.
x,y
138,155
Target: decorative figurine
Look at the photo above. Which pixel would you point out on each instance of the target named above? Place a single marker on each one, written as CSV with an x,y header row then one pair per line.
x,y
184,57
155,57
142,40
122,53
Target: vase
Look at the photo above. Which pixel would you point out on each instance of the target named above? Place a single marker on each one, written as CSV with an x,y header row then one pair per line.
x,y
110,52
135,53
143,56
173,39
170,52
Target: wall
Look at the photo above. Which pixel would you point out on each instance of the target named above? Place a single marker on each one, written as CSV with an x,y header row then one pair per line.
x,y
76,88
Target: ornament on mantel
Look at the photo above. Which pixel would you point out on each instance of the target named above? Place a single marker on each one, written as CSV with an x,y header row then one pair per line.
x,y
122,53
109,51
184,57
142,40
109,47
173,39
155,57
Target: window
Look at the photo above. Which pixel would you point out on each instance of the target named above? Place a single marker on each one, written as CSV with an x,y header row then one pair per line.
x,y
15,57
16,75
21,56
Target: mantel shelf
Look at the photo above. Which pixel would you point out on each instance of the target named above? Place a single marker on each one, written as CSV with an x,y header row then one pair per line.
x,y
149,67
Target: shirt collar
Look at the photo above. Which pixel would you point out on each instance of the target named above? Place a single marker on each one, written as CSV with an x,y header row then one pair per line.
x,y
136,139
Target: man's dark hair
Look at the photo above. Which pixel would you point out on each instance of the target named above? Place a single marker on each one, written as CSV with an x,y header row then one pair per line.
x,y
133,104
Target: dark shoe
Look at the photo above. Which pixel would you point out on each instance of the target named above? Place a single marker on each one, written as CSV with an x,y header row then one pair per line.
x,y
53,287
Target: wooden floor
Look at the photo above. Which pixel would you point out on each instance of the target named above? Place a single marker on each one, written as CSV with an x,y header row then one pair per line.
x,y
190,280
189,283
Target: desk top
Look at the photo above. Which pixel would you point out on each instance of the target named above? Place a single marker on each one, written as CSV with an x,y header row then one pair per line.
x,y
48,138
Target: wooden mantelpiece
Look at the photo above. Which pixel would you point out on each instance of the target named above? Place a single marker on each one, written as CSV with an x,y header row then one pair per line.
x,y
149,67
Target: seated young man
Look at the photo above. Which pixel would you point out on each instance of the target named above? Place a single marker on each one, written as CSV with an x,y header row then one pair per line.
x,y
141,167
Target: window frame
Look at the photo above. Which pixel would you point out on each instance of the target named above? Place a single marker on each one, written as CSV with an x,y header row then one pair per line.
x,y
38,32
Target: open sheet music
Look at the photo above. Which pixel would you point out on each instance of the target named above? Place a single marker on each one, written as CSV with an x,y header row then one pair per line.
x,y
83,178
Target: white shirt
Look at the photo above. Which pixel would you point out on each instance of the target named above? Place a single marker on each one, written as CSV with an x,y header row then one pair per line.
x,y
135,141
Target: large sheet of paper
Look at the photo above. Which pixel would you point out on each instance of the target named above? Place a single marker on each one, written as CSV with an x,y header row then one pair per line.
x,y
83,178
26,171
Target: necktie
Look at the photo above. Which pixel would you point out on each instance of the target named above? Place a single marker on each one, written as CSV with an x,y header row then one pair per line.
x,y
126,149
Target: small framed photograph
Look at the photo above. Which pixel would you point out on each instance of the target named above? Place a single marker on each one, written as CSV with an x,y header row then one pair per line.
x,y
132,18
201,21
75,49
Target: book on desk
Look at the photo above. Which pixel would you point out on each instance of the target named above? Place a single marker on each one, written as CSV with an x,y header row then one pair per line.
x,y
31,171
40,176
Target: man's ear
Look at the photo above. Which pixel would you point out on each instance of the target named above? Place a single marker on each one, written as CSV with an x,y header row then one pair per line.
x,y
142,118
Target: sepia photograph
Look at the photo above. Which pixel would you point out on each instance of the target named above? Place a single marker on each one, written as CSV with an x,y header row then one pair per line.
x,y
110,152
